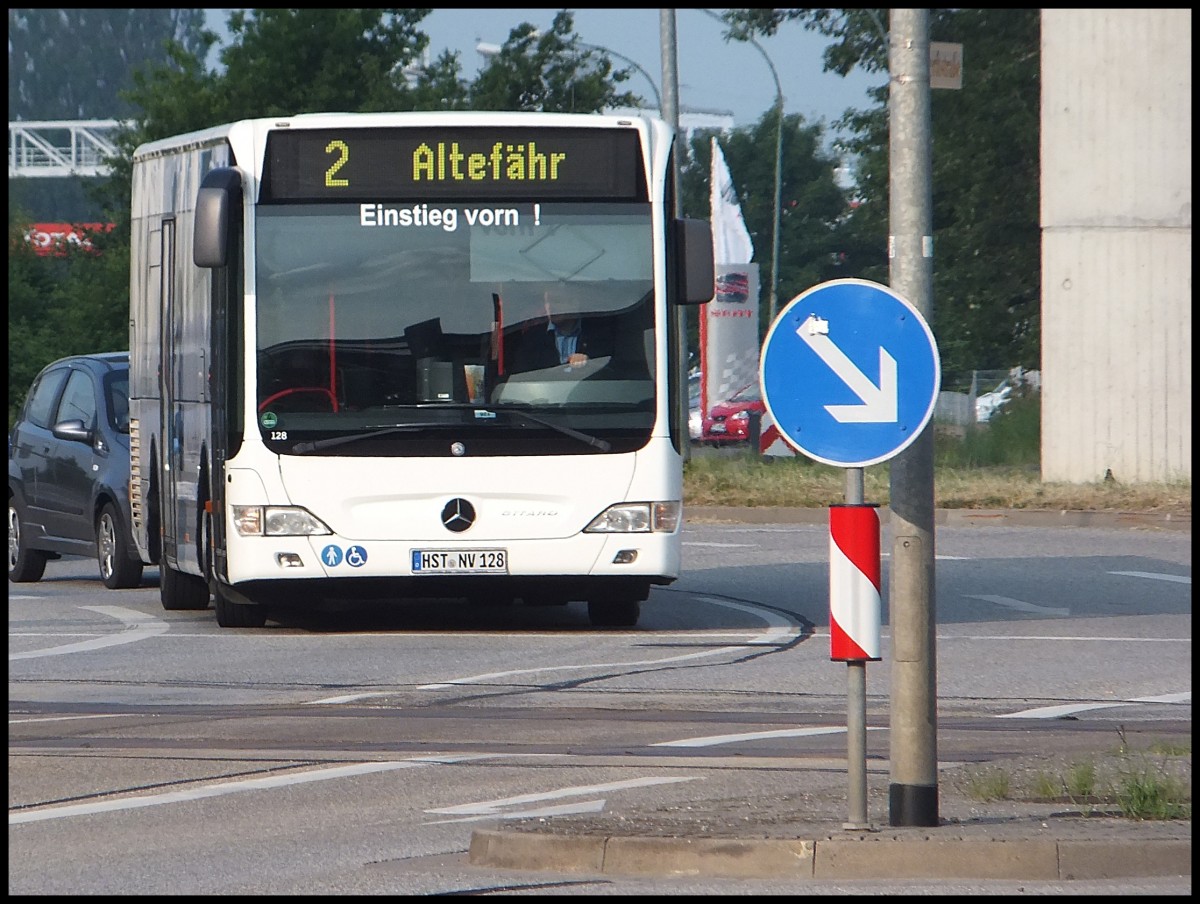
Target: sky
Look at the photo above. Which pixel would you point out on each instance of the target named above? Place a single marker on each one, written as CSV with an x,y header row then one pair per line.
x,y
713,74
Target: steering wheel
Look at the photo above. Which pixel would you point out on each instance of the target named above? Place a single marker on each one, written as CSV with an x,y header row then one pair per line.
x,y
321,390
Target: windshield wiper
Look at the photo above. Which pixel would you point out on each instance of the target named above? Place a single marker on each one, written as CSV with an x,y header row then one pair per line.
x,y
317,445
593,441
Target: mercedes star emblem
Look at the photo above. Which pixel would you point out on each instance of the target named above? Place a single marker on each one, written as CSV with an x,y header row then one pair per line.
x,y
458,515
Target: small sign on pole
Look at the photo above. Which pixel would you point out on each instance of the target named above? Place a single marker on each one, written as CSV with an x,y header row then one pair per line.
x,y
945,65
854,567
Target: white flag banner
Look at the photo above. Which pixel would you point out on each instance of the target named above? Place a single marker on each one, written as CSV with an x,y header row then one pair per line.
x,y
729,341
731,239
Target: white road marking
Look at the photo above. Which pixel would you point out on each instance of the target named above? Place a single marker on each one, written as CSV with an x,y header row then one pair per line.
x,y
1156,576
1055,712
779,529
57,634
1185,697
1066,709
714,544
779,629
1099,639
1018,605
222,788
714,740
491,808
586,806
62,718
138,626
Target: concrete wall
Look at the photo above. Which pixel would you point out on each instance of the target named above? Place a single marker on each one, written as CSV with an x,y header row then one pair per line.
x,y
1116,216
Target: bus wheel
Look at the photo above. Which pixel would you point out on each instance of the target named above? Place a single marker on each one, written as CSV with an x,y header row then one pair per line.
x,y
181,591
614,613
234,614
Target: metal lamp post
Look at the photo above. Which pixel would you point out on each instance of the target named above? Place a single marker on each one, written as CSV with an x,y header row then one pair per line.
x,y
610,52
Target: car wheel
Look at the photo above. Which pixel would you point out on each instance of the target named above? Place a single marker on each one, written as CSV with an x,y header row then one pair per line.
x,y
25,565
614,613
119,568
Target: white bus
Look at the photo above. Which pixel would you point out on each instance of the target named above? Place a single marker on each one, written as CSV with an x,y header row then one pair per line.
x,y
424,355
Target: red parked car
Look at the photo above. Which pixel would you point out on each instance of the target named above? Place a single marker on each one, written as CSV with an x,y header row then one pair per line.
x,y
729,421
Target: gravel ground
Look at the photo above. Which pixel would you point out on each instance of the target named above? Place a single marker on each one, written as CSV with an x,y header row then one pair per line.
x,y
820,809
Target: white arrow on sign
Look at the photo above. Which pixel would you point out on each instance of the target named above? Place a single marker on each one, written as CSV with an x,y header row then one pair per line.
x,y
879,402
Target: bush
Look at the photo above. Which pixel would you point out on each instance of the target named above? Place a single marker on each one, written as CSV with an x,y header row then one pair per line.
x,y
1011,438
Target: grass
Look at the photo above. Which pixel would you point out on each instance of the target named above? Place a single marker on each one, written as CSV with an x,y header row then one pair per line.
x,y
1151,784
992,466
1149,794
992,784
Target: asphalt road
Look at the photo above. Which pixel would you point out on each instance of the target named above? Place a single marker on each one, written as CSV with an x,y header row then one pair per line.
x,y
355,749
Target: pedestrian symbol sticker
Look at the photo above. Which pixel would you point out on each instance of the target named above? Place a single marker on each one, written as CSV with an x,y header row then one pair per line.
x,y
356,557
331,555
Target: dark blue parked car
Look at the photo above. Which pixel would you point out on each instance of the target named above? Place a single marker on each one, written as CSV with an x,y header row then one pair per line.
x,y
68,471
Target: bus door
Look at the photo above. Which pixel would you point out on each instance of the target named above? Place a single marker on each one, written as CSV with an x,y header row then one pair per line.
x,y
171,414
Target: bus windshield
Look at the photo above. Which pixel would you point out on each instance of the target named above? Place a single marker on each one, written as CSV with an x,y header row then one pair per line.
x,y
377,315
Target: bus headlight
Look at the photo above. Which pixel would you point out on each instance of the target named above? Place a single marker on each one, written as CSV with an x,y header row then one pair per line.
x,y
637,518
277,521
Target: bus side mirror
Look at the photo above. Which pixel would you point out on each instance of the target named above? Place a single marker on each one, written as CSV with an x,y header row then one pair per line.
x,y
214,205
694,254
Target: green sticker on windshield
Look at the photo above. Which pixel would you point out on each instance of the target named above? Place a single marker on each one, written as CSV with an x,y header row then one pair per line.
x,y
268,419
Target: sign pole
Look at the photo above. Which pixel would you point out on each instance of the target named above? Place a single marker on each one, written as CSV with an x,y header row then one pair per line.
x,y
850,376
854,622
913,791
856,707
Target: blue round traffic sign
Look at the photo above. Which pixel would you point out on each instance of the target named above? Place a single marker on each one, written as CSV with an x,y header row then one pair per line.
x,y
850,373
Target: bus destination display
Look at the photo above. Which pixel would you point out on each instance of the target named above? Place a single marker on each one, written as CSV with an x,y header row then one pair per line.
x,y
453,163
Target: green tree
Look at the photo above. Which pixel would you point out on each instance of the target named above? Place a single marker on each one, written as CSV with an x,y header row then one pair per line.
x,y
318,60
74,63
987,239
550,72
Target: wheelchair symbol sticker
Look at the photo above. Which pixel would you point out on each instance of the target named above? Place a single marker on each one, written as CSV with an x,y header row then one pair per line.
x,y
331,555
356,557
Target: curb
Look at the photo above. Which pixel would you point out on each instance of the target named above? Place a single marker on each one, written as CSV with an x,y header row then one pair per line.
x,y
831,859
950,517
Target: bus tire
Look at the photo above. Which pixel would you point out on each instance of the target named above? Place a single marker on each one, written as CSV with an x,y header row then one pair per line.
x,y
153,522
618,612
235,614
181,591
